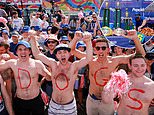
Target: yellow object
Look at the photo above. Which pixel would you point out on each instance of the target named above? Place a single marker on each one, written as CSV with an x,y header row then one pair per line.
x,y
107,31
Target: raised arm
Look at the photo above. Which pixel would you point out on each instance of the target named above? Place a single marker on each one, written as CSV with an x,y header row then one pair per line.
x,y
89,51
133,35
143,24
72,45
124,59
36,52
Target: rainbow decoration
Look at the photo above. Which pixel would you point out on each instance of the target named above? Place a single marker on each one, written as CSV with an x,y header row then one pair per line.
x,y
74,5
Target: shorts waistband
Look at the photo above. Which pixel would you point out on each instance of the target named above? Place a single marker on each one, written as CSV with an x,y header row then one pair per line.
x,y
65,103
94,97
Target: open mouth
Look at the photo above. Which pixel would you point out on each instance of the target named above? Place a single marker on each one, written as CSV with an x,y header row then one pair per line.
x,y
63,59
23,56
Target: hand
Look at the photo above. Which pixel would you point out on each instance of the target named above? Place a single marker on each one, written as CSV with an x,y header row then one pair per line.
x,y
87,37
31,35
78,35
139,28
131,34
5,57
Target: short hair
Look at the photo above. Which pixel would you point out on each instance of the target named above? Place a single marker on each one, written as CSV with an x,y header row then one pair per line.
x,y
54,29
14,12
101,39
6,46
136,56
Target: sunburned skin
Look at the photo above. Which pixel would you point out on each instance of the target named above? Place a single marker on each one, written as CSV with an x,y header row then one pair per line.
x,y
135,99
22,74
104,80
61,81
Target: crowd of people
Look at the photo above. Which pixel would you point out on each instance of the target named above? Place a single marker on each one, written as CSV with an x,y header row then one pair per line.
x,y
60,65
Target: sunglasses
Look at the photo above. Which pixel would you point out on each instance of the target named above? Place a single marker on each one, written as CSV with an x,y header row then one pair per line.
x,y
51,42
98,48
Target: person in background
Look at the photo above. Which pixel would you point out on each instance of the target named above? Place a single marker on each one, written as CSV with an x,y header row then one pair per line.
x,y
35,19
139,21
24,33
83,27
92,11
63,31
64,40
92,23
70,35
44,23
5,36
3,13
82,81
17,22
149,46
51,42
55,30
4,24
15,39
74,24
49,30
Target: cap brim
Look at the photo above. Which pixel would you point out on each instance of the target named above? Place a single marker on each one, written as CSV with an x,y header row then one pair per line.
x,y
61,48
15,49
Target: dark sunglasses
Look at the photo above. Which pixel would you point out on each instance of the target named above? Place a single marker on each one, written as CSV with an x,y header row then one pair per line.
x,y
51,42
98,48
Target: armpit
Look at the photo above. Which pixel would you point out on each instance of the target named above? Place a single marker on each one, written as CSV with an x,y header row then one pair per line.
x,y
7,74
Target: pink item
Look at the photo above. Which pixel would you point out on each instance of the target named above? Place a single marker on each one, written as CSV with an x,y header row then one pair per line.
x,y
3,20
44,97
80,15
119,83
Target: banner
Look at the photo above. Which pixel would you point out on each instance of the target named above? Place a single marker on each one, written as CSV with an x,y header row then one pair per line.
x,y
24,2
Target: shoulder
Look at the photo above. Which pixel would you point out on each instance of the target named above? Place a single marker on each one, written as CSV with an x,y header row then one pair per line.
x,y
149,81
12,61
36,61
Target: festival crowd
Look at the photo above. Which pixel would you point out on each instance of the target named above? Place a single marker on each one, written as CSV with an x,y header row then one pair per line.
x,y
64,65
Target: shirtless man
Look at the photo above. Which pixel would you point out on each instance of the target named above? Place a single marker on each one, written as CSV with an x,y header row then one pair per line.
x,y
64,74
100,69
26,70
140,95
5,101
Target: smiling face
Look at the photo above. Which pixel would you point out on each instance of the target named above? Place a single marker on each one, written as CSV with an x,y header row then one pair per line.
x,y
23,53
138,67
51,44
63,56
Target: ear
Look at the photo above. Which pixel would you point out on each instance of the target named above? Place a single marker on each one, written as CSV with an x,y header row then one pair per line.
x,y
94,50
129,66
108,50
